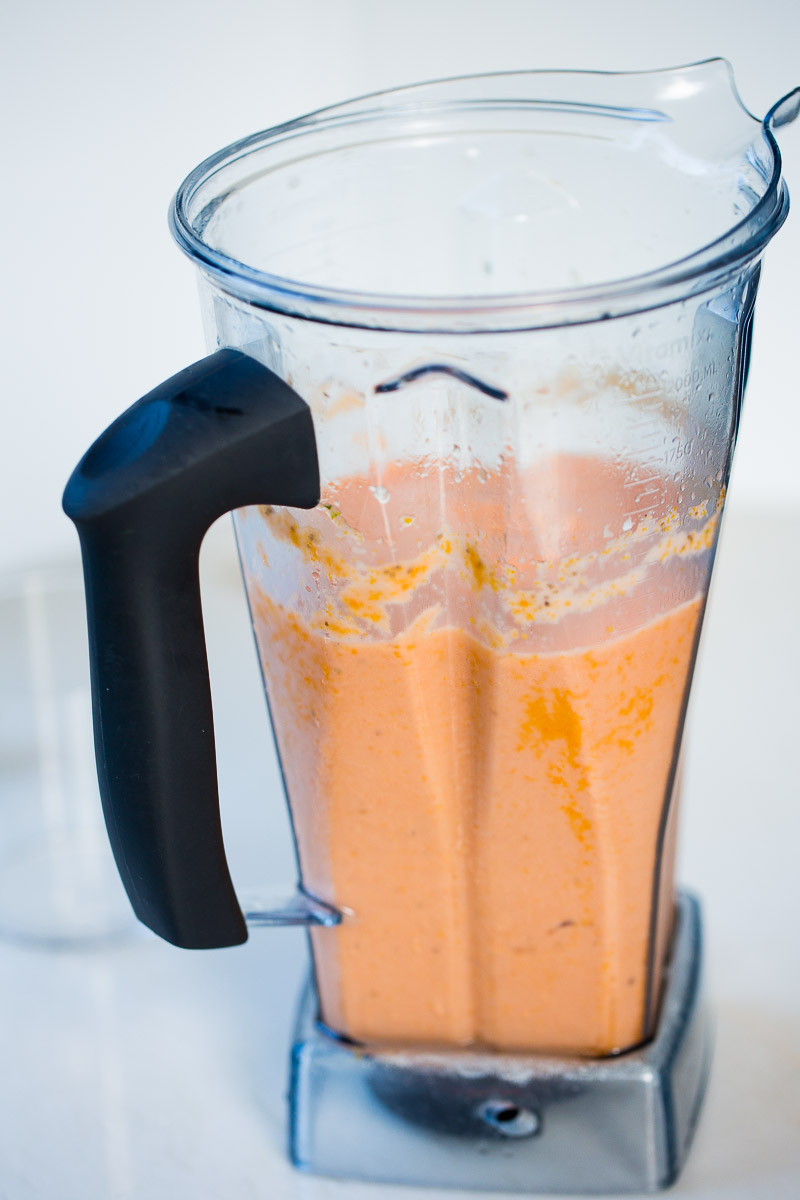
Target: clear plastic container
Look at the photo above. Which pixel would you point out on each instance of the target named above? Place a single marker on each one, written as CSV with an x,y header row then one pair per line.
x,y
519,309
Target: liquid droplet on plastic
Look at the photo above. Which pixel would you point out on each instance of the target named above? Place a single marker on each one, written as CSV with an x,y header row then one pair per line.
x,y
627,524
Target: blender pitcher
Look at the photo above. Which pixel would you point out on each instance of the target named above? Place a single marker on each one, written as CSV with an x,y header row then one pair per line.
x,y
477,355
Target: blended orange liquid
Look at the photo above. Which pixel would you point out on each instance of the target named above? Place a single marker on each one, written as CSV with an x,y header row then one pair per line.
x,y
489,818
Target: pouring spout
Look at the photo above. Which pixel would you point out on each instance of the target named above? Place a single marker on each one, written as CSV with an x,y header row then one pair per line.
x,y
784,111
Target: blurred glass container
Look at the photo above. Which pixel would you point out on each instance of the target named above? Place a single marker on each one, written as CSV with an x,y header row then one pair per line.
x,y
59,886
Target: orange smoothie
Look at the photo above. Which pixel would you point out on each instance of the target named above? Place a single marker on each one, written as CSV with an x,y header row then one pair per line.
x,y
479,748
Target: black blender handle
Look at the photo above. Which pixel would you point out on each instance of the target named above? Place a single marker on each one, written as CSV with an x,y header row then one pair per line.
x,y
222,434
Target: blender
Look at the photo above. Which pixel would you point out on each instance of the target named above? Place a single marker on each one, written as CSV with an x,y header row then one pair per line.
x,y
477,352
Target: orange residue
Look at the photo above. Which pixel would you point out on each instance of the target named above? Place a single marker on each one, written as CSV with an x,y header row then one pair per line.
x,y
581,825
548,722
481,575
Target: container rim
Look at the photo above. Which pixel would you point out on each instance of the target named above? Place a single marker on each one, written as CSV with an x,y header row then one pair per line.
x,y
694,273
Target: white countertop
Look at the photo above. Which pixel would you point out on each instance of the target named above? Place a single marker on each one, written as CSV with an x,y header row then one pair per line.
x,y
146,1072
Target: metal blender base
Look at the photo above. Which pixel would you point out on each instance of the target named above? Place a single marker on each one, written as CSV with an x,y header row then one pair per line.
x,y
520,1123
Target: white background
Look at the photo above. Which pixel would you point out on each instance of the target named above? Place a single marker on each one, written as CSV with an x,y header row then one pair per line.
x,y
108,105
150,1074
